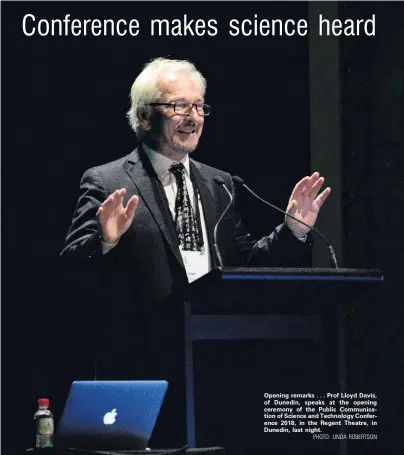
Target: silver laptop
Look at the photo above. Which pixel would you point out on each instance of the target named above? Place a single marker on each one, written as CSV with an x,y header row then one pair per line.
x,y
110,415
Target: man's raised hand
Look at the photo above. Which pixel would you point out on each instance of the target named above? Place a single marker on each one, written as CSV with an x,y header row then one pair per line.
x,y
114,219
305,203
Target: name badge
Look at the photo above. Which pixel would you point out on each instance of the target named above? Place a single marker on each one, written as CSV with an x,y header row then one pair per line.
x,y
195,263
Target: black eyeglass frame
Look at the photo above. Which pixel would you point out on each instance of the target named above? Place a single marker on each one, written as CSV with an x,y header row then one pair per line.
x,y
191,105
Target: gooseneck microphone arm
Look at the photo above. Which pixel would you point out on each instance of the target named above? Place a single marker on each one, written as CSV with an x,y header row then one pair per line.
x,y
240,181
220,181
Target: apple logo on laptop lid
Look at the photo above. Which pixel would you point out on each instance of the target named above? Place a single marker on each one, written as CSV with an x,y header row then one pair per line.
x,y
110,417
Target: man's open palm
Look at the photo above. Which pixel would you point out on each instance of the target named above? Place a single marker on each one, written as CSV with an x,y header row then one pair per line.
x,y
114,218
305,203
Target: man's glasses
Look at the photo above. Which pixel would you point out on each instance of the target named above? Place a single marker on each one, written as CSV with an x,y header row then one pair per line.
x,y
184,108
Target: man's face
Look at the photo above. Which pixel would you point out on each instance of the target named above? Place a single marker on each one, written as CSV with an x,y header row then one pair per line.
x,y
177,134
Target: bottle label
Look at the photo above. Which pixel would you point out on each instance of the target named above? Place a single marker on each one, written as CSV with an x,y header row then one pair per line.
x,y
45,426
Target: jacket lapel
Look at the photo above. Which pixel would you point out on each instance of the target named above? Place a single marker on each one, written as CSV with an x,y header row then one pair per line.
x,y
149,187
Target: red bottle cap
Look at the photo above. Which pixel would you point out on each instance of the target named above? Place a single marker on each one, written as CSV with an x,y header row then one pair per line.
x,y
43,402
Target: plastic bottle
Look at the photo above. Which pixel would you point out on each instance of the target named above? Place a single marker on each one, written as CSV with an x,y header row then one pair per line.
x,y
44,424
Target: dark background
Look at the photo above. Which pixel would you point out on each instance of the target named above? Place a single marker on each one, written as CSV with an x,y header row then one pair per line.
x,y
63,110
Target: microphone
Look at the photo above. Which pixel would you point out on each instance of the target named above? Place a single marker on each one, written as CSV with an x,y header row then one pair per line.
x,y
239,181
220,181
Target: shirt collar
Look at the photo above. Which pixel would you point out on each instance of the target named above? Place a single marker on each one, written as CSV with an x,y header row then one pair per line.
x,y
161,164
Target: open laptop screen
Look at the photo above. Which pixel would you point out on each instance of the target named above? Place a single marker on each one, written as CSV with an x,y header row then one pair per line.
x,y
115,415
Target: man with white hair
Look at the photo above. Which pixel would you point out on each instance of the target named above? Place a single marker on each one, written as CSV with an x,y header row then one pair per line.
x,y
147,219
135,199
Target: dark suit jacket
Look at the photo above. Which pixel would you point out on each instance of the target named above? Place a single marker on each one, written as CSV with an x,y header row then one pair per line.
x,y
147,257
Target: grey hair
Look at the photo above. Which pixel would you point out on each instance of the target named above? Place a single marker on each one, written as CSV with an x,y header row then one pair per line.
x,y
145,89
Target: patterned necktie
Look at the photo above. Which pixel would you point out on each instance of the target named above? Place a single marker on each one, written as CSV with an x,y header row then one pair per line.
x,y
186,224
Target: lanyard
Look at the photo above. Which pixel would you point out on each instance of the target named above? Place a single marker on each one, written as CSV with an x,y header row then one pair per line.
x,y
197,211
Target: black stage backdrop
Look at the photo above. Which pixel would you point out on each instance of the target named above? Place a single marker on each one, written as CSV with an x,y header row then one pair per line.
x,y
63,111
372,81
